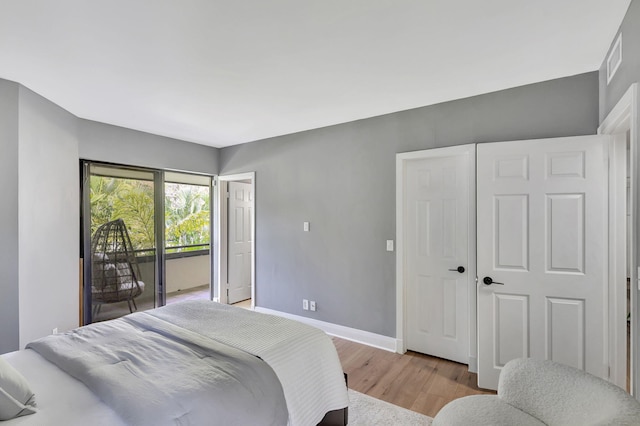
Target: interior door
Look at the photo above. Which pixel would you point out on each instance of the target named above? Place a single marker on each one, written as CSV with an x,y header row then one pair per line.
x,y
239,235
436,245
542,252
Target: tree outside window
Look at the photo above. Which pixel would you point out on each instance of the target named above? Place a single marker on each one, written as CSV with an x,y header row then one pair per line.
x,y
187,212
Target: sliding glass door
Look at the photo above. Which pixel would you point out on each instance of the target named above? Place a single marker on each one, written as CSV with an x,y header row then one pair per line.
x,y
127,215
187,218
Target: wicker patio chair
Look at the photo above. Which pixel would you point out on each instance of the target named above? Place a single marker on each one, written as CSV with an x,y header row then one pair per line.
x,y
115,271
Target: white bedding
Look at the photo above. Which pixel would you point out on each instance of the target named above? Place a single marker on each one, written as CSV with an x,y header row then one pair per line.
x,y
61,399
154,373
302,357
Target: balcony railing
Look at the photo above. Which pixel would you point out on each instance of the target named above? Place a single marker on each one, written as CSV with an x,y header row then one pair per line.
x,y
185,269
174,252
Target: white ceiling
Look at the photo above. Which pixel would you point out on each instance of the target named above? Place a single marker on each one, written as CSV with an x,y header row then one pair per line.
x,y
221,73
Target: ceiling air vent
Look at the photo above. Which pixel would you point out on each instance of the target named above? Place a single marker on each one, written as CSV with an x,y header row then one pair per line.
x,y
614,59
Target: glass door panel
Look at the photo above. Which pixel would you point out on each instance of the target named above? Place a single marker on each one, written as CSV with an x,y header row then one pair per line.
x,y
122,249
187,215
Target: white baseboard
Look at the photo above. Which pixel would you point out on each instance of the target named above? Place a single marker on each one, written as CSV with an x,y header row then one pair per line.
x,y
359,336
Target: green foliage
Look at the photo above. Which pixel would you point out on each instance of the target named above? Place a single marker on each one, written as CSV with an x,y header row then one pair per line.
x,y
135,205
102,193
186,215
186,211
129,199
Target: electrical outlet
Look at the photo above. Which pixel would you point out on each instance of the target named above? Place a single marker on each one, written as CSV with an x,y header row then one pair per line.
x,y
389,245
54,331
305,304
312,305
305,226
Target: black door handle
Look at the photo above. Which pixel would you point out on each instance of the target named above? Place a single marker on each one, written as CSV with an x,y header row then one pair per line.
x,y
458,269
489,281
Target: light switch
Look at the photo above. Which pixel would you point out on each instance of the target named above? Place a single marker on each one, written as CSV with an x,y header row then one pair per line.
x,y
306,226
389,245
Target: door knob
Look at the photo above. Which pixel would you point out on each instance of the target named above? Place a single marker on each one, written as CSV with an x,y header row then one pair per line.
x,y
458,269
489,281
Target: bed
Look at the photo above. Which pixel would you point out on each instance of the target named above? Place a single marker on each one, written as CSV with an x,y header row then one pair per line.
x,y
189,363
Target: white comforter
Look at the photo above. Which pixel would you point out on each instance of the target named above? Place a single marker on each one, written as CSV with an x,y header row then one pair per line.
x,y
153,373
303,357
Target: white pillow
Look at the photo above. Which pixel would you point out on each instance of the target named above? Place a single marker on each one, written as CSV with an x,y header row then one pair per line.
x,y
16,399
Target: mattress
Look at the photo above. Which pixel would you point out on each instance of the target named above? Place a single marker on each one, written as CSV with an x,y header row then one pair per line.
x,y
61,399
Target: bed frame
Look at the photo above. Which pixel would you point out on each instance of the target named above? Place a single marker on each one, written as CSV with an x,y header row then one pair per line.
x,y
337,417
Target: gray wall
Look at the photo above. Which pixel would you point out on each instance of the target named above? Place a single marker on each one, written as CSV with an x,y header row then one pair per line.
x,y
40,146
48,193
342,180
9,312
104,142
629,71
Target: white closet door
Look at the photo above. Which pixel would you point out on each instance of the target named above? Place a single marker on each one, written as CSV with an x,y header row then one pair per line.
x,y
542,214
436,245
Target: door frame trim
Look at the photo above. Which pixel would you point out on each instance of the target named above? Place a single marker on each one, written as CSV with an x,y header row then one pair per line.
x,y
622,118
401,160
221,231
617,275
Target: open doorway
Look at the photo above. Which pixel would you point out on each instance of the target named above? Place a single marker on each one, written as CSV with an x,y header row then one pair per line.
x,y
622,124
236,229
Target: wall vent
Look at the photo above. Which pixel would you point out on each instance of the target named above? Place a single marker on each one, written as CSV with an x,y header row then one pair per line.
x,y
614,60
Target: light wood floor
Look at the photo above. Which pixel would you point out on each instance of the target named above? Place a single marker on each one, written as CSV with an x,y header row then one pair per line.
x,y
414,381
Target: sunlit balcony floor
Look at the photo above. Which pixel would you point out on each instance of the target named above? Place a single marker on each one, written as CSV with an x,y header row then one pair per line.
x,y
195,293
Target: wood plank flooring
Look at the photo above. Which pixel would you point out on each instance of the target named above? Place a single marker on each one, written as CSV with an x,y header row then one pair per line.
x,y
414,381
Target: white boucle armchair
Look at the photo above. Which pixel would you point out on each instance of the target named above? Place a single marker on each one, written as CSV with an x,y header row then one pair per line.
x,y
534,392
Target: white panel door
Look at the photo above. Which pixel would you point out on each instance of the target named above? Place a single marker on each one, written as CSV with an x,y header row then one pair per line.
x,y
542,212
436,245
239,221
